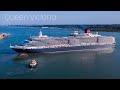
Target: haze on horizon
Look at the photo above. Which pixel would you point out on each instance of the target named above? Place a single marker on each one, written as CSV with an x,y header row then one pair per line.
x,y
58,17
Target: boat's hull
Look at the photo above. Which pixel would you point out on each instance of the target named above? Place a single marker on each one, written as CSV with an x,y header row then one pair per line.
x,y
64,49
33,65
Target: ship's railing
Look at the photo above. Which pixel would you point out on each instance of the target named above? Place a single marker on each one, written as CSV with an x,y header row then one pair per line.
x,y
57,46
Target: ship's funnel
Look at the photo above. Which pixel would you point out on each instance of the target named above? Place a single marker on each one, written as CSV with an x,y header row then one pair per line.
x,y
87,31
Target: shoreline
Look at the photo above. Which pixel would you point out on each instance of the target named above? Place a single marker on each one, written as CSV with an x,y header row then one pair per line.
x,y
99,27
3,35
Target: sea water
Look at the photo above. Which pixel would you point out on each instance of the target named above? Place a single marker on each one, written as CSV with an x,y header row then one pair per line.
x,y
74,65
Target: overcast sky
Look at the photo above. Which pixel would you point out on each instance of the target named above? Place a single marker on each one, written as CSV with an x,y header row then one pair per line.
x,y
58,17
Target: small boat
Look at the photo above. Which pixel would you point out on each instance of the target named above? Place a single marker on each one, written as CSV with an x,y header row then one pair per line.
x,y
33,64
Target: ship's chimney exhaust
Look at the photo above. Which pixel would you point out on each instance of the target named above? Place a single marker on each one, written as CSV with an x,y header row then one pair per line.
x,y
87,31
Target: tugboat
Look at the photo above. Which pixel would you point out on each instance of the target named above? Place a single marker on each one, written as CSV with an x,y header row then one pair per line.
x,y
33,64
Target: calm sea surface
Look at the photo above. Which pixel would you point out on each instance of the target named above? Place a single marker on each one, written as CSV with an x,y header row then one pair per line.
x,y
78,65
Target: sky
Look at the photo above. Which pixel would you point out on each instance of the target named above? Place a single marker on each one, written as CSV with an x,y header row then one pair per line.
x,y
58,17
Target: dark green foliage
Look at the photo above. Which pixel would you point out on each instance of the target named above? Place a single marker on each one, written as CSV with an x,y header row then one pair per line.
x,y
95,27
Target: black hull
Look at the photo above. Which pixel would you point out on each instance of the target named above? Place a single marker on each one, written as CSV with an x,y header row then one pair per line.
x,y
64,49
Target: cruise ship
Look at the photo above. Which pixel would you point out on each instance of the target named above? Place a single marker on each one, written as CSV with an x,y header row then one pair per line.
x,y
72,43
